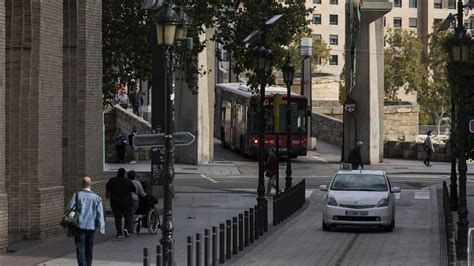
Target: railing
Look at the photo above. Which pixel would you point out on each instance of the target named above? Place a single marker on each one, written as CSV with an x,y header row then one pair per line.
x,y
449,226
469,246
288,202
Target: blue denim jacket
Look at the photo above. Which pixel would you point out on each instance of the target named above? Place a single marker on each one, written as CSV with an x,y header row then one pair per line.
x,y
92,212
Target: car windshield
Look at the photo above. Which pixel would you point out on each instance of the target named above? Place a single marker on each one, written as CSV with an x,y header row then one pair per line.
x,y
359,182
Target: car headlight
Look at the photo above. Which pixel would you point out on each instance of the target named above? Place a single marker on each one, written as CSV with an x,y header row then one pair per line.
x,y
383,202
331,201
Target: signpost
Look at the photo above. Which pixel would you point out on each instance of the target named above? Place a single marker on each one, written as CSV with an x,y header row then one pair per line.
x,y
471,126
350,105
158,140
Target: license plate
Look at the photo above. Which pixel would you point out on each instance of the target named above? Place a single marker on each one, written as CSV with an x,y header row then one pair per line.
x,y
357,213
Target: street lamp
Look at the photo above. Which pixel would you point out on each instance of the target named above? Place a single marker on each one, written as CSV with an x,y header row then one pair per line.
x,y
288,70
460,52
167,21
306,51
262,63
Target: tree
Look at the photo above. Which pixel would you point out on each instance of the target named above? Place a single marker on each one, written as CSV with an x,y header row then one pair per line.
x,y
402,62
434,96
241,17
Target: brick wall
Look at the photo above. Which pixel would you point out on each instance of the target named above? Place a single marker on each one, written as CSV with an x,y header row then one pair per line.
x,y
401,121
3,195
326,128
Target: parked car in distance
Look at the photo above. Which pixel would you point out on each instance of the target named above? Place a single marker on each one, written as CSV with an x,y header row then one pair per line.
x,y
359,197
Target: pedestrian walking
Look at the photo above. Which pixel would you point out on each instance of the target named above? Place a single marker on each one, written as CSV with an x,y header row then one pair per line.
x,y
91,218
123,99
271,168
354,156
120,189
120,140
132,148
139,192
428,147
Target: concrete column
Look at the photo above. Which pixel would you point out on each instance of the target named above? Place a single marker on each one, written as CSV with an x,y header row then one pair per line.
x,y
3,195
366,124
34,117
195,113
82,99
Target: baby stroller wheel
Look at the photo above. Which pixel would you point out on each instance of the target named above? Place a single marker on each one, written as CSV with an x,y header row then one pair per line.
x,y
153,221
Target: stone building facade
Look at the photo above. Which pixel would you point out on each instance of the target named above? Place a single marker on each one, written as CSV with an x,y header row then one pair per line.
x,y
51,111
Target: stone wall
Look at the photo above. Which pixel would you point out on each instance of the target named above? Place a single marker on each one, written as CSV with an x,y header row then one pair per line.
x,y
326,128
117,117
414,151
401,121
3,195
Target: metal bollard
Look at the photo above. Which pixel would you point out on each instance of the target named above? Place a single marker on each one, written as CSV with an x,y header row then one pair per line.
x,y
228,239
275,210
206,247
146,259
234,235
170,257
265,217
190,251
198,249
257,222
159,255
241,231
252,225
246,228
221,243
214,246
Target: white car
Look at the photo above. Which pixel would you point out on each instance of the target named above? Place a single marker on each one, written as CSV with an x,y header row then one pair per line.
x,y
359,197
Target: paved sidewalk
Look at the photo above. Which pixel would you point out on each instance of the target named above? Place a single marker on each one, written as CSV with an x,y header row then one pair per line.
x,y
218,168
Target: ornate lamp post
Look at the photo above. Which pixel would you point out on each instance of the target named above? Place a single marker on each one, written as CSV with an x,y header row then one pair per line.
x,y
460,51
169,26
306,51
288,70
262,63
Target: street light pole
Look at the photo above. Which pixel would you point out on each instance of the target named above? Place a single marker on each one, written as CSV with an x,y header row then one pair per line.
x,y
453,186
288,74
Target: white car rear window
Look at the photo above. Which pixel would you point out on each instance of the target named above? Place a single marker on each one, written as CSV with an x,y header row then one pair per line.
x,y
359,182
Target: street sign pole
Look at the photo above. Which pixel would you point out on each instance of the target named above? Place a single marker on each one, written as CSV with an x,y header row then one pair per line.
x,y
159,140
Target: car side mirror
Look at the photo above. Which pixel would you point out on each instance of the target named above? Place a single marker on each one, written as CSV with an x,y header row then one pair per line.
x,y
323,188
396,190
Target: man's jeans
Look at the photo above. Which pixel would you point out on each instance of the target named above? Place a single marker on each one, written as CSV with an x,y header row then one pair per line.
x,y
84,240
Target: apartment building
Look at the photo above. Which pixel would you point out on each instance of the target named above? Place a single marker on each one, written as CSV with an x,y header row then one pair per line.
x,y
328,20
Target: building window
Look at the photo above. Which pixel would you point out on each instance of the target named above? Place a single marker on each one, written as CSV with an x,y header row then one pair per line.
x,y
318,61
317,19
333,39
384,21
397,3
412,3
333,60
437,4
452,4
412,22
317,2
397,22
333,2
316,36
333,19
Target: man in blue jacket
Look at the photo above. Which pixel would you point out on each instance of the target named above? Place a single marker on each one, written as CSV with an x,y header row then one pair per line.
x,y
91,217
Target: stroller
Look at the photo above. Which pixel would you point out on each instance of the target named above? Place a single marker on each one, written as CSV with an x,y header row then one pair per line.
x,y
147,214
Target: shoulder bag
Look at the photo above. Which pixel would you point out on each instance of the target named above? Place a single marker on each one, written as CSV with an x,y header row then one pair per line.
x,y
71,217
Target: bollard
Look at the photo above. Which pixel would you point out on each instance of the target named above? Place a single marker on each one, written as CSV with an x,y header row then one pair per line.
x,y
246,228
190,251
221,243
241,231
234,235
206,247
159,255
146,259
228,238
214,246
252,226
262,219
170,256
265,217
198,249
257,222
275,209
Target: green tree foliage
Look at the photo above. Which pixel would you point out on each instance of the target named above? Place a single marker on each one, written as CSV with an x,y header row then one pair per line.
x,y
126,45
402,62
434,96
320,53
242,17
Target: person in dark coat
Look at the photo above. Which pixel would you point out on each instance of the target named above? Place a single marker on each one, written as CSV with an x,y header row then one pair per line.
x,y
354,156
120,190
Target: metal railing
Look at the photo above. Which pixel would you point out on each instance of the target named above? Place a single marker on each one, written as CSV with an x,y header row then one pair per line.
x,y
288,202
449,226
469,246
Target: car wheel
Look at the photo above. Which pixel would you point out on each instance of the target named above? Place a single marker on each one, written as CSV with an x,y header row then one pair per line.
x,y
326,227
389,228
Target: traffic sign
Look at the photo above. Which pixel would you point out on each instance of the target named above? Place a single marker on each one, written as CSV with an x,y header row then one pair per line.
x,y
471,126
350,105
158,140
